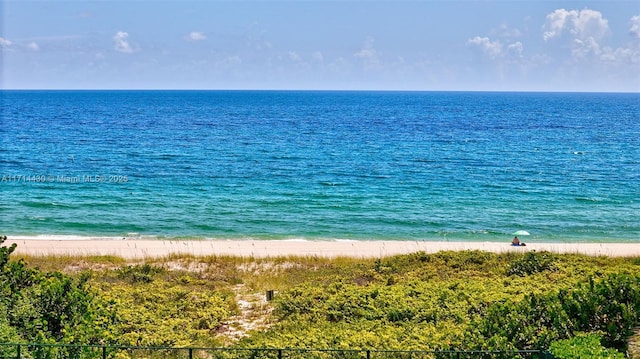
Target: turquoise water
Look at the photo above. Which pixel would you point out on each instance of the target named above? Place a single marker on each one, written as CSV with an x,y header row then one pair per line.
x,y
321,165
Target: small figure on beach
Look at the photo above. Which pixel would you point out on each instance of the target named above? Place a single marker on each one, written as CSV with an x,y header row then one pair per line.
x,y
516,242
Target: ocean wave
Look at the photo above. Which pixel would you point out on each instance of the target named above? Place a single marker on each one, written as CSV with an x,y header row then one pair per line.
x,y
590,199
46,204
38,218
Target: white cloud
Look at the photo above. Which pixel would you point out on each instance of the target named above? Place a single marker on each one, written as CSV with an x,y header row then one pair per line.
x,y
515,49
368,54
634,29
399,61
196,36
33,46
582,48
261,45
629,55
234,60
504,56
293,56
556,22
583,24
492,48
585,30
590,24
317,56
620,56
229,61
121,44
4,42
339,66
504,31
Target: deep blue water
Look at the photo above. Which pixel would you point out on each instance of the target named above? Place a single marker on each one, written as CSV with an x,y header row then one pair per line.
x,y
321,165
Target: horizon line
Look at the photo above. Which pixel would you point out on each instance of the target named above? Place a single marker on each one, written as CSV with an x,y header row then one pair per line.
x,y
313,90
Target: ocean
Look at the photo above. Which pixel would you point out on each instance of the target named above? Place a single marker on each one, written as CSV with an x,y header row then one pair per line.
x,y
306,165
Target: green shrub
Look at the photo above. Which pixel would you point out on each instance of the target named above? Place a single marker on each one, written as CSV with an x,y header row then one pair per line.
x,y
610,306
8,334
45,307
139,273
166,314
531,263
583,346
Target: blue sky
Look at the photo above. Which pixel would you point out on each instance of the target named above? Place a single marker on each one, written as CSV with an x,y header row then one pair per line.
x,y
329,45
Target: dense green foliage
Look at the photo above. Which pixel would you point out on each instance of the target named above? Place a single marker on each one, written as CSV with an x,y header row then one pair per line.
x,y
461,300
610,305
42,306
531,263
446,301
120,306
45,307
583,346
165,314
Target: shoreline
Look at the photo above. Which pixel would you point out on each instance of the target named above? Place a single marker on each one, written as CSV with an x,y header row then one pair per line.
x,y
145,248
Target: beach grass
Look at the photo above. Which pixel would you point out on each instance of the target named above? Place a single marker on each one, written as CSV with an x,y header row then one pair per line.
x,y
411,301
69,262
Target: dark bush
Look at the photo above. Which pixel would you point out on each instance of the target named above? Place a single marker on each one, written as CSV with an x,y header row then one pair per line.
x,y
531,263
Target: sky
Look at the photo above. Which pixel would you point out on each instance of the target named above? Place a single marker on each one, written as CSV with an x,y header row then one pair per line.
x,y
517,45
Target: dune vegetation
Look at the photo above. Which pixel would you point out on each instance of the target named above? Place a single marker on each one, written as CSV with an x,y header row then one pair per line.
x,y
466,300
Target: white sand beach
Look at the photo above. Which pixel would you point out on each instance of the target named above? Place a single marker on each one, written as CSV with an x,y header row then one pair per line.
x,y
142,248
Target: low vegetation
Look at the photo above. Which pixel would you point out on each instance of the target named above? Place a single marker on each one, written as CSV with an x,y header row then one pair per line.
x,y
468,300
